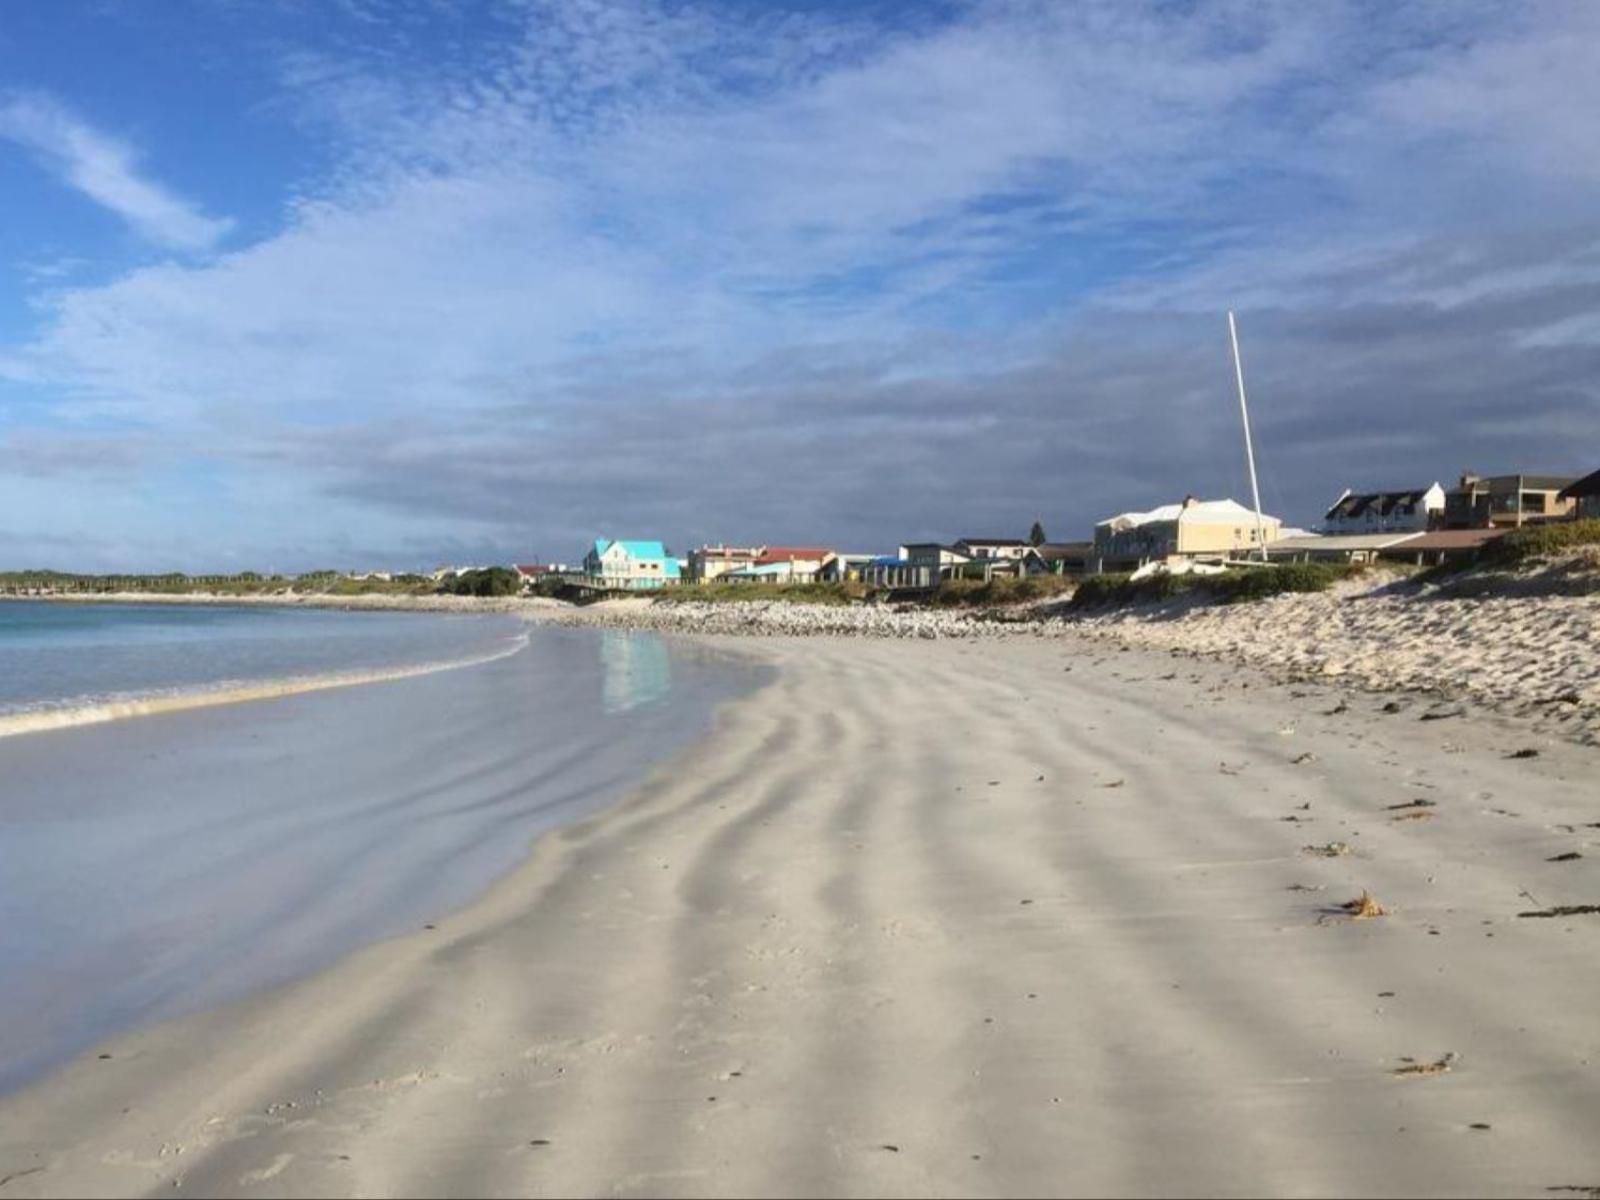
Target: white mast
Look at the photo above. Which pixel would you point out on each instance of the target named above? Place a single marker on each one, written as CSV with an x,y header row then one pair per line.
x,y
1249,449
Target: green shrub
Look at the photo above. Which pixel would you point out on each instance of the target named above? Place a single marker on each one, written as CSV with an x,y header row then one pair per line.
x,y
1540,541
750,593
1237,586
962,593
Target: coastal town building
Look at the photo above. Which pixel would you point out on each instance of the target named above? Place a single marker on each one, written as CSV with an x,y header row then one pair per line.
x,y
710,562
1213,529
844,568
1337,547
1014,548
1440,546
1507,501
1409,511
896,571
944,561
1585,495
625,565
1059,558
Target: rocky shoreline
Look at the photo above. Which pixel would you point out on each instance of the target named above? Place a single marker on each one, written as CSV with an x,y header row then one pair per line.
x,y
1534,657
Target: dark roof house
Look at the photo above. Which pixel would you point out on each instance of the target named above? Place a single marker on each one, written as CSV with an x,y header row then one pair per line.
x,y
1583,488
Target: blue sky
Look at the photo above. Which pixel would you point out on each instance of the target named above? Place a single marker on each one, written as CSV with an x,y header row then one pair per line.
x,y
302,283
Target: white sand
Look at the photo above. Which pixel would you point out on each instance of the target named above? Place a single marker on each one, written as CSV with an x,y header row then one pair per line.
x,y
1523,654
938,918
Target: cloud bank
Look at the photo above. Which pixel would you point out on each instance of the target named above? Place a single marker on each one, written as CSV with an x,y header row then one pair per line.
x,y
642,270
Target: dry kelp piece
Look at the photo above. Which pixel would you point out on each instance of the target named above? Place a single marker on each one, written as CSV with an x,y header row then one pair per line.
x,y
1419,802
1415,1070
1563,910
1363,908
1330,850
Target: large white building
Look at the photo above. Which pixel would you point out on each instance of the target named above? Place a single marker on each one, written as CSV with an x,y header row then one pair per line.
x,y
1386,512
1193,529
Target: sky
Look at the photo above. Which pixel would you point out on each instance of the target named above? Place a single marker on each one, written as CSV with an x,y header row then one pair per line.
x,y
293,284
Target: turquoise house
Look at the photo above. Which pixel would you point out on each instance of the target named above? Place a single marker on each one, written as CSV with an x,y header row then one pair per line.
x,y
630,566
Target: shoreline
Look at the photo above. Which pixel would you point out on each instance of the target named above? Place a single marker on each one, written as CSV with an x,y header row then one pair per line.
x,y
926,918
374,601
164,864
1528,657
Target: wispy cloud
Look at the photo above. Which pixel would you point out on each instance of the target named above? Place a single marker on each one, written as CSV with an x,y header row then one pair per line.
x,y
106,171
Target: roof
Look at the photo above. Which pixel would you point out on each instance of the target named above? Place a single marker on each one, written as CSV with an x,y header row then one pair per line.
x,y
633,549
971,541
1049,550
1539,483
1205,512
1589,485
774,554
1341,541
1452,539
762,571
1354,504
727,551
1547,482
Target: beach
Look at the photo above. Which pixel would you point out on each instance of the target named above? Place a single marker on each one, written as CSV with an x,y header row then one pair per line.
x,y
988,916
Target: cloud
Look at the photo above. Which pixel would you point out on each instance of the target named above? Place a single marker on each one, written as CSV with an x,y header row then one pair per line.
x,y
105,171
648,270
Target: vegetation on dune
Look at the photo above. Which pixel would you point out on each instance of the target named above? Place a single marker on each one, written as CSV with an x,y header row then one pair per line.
x,y
746,593
245,583
1540,541
970,593
1236,586
483,581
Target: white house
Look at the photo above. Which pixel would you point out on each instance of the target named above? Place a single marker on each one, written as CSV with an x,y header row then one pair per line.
x,y
1411,511
993,547
1195,528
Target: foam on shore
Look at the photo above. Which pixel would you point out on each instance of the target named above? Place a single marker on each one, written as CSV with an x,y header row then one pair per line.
x,y
42,720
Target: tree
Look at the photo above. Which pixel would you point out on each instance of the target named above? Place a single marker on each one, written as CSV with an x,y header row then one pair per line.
x,y
1036,535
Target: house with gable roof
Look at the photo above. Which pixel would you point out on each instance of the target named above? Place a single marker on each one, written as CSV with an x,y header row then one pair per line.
x,y
1411,511
624,565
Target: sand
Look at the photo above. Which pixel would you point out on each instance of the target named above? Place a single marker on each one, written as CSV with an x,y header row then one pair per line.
x,y
1020,917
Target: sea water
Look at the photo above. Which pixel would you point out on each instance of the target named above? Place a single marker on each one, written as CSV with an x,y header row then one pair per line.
x,y
173,844
63,663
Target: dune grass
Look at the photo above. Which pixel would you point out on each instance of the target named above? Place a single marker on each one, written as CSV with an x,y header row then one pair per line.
x,y
1540,541
1236,586
750,593
976,593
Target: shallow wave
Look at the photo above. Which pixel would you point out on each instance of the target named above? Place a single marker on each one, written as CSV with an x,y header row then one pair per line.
x,y
95,712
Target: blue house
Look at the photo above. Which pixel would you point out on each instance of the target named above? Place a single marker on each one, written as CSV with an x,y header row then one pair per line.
x,y
630,566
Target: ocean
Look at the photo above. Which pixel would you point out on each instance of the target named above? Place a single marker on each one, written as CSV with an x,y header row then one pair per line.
x,y
69,663
198,802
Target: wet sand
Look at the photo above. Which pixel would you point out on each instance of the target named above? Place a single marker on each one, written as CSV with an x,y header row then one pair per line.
x,y
957,918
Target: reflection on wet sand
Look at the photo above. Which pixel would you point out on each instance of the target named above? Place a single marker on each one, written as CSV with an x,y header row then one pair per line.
x,y
636,670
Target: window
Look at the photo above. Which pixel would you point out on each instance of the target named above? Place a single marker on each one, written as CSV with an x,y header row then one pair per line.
x,y
1533,502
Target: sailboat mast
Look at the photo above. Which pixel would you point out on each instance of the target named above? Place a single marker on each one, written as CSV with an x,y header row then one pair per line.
x,y
1249,447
